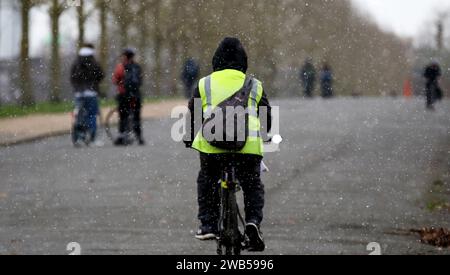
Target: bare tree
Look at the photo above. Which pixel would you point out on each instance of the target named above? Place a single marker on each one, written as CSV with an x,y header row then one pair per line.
x,y
143,30
55,11
25,83
278,35
82,17
123,19
157,45
102,6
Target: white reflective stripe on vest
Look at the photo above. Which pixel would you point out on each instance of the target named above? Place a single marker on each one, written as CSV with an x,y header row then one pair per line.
x,y
253,108
254,95
208,93
254,134
252,112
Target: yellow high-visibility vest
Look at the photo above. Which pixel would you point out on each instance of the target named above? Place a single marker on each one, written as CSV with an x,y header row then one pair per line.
x,y
216,88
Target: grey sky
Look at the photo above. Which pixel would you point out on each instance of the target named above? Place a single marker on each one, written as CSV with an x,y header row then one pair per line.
x,y
404,17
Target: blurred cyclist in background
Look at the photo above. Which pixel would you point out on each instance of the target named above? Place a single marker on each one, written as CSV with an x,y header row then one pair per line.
x,y
433,90
86,75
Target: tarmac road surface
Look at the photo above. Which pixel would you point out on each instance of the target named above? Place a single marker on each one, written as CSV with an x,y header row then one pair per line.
x,y
349,172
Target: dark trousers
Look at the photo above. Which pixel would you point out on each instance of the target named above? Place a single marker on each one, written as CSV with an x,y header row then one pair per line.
x,y
130,106
429,93
189,89
309,89
433,92
248,173
327,90
88,112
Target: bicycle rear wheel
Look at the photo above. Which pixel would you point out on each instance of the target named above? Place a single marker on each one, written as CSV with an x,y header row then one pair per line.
x,y
79,131
230,237
111,120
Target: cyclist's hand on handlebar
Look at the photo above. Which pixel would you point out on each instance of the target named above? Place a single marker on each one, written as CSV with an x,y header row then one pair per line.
x,y
277,139
188,144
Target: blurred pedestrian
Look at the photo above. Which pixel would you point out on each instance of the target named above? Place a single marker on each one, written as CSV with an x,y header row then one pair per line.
x,y
189,76
128,78
86,75
433,90
308,77
326,81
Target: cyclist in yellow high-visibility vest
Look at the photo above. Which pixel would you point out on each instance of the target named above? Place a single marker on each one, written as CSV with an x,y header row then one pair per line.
x,y
230,67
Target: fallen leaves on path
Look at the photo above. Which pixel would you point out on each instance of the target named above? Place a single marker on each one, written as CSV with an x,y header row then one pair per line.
x,y
439,237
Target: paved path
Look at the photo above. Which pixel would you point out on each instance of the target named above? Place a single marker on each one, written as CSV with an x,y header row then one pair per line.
x,y
350,172
34,127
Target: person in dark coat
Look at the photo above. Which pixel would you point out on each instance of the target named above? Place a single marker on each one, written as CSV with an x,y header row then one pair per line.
x,y
86,76
189,76
308,78
326,81
128,78
433,90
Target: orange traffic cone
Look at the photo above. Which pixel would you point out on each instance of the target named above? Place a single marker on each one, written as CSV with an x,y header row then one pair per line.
x,y
407,89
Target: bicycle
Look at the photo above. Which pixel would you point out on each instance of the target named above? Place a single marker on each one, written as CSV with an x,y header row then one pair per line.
x,y
80,129
230,241
113,118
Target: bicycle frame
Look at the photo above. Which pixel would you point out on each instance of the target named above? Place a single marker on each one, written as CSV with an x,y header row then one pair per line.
x,y
230,238
79,128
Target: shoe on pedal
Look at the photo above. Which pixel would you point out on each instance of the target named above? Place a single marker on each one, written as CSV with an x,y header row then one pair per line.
x,y
206,234
255,239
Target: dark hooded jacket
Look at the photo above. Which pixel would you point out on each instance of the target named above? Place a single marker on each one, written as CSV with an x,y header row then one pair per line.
x,y
433,72
86,74
229,55
191,71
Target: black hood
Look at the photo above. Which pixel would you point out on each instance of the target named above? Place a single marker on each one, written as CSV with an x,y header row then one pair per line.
x,y
230,55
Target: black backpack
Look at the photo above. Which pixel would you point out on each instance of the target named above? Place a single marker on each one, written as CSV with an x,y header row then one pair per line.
x,y
132,81
234,133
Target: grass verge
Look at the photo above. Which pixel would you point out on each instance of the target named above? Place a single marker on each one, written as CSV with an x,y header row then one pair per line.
x,y
13,111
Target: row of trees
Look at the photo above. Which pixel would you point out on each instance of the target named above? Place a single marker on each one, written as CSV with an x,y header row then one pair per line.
x,y
56,8
278,35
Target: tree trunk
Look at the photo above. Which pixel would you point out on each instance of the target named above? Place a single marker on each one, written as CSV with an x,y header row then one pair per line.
x,y
55,62
124,31
24,63
103,52
81,22
173,41
143,39
158,46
